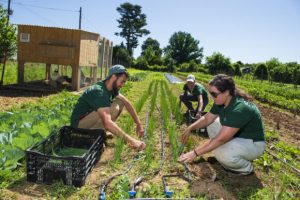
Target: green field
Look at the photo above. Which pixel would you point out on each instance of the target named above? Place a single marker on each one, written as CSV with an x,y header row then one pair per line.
x,y
156,102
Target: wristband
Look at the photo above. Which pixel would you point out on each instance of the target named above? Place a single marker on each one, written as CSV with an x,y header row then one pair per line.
x,y
195,152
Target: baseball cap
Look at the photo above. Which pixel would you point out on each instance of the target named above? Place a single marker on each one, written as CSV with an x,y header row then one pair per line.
x,y
116,69
190,78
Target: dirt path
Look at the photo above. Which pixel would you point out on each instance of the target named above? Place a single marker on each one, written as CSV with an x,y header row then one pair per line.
x,y
10,98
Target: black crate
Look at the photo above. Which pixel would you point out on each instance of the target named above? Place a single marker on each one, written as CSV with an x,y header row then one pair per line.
x,y
190,118
45,166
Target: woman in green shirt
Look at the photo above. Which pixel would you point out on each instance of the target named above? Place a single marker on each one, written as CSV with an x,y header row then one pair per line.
x,y
234,126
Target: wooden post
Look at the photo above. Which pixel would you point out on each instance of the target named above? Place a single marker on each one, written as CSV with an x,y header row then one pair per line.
x,y
111,54
21,72
75,77
94,75
48,67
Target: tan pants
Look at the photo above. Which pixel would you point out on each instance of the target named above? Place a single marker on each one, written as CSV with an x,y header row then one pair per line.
x,y
237,153
93,120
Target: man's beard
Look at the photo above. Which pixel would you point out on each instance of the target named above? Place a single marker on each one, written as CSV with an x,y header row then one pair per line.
x,y
115,88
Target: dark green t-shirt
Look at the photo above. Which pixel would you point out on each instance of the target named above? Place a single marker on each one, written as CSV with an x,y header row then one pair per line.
x,y
197,90
96,96
243,115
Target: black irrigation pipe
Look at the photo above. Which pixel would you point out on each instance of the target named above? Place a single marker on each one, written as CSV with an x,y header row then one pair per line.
x,y
108,180
137,181
288,164
168,192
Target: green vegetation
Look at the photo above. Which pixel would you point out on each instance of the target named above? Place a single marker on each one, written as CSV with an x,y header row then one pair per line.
x,y
24,126
282,96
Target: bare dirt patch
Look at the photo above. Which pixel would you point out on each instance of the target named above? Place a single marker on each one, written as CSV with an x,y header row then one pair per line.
x,y
286,123
10,98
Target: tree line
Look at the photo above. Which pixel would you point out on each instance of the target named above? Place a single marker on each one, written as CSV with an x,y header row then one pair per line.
x,y
183,53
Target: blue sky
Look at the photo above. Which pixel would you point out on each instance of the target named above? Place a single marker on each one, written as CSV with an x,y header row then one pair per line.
x,y
248,30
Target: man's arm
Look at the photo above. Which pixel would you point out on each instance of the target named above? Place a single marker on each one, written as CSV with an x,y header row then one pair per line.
x,y
132,112
200,106
104,114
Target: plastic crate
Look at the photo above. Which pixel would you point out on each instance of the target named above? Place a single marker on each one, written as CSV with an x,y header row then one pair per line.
x,y
44,166
190,118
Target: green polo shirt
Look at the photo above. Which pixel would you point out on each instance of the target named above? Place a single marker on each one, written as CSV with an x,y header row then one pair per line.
x,y
243,115
96,96
197,90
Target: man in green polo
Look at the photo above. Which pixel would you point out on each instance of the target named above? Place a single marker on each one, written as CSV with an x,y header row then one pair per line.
x,y
101,104
193,91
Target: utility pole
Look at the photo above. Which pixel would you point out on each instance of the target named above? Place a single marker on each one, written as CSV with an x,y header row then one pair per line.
x,y
9,12
80,11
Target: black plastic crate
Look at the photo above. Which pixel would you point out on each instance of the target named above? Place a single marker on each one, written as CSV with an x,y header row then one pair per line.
x,y
44,165
190,118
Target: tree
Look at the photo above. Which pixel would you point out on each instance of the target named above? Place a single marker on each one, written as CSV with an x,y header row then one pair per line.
x,y
8,40
261,71
121,55
217,63
152,52
154,44
131,23
183,48
237,68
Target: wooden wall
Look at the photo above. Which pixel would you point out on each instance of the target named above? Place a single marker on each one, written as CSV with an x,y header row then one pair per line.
x,y
51,45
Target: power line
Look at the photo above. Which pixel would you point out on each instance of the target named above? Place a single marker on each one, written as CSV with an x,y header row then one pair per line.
x,y
43,7
46,19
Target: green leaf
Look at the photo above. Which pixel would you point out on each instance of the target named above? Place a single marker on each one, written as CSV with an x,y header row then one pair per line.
x,y
41,128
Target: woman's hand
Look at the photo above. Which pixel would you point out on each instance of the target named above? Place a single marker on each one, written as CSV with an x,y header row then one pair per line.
x,y
185,136
188,157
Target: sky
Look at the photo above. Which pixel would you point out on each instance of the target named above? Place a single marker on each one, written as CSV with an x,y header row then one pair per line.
x,y
250,31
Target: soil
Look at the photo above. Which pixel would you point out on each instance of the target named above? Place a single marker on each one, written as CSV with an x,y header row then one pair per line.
x,y
211,180
10,98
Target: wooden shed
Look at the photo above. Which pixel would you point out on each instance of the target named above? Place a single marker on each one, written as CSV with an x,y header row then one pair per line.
x,y
72,47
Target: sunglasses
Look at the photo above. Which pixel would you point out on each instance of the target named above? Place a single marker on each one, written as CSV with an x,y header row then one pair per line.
x,y
215,94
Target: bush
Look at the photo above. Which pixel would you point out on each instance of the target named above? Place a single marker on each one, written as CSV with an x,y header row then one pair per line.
x,y
158,68
141,63
261,72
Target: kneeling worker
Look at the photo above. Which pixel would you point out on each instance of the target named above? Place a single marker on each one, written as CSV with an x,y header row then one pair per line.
x,y
234,125
101,104
193,91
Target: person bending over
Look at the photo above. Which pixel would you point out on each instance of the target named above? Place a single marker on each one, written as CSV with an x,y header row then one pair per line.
x,y
235,128
100,105
193,91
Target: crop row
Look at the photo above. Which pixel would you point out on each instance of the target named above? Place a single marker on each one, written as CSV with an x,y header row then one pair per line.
x,y
279,96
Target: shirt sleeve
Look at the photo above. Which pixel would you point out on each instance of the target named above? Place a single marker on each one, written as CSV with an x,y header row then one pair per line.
x,y
184,87
215,109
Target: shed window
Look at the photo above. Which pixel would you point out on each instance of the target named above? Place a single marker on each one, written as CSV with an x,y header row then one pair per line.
x,y
25,37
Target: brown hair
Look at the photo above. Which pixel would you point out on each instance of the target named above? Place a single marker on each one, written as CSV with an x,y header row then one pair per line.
x,y
224,82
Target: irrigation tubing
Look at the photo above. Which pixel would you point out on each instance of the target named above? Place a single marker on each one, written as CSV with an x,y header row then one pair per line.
x,y
137,181
288,164
108,180
168,192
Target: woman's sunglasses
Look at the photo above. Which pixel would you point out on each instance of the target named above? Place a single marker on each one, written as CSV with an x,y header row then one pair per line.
x,y
214,94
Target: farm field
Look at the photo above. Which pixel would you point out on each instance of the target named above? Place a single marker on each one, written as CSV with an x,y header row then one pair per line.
x,y
28,120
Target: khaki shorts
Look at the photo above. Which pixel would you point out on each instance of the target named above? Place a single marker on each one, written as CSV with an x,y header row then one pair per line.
x,y
93,120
